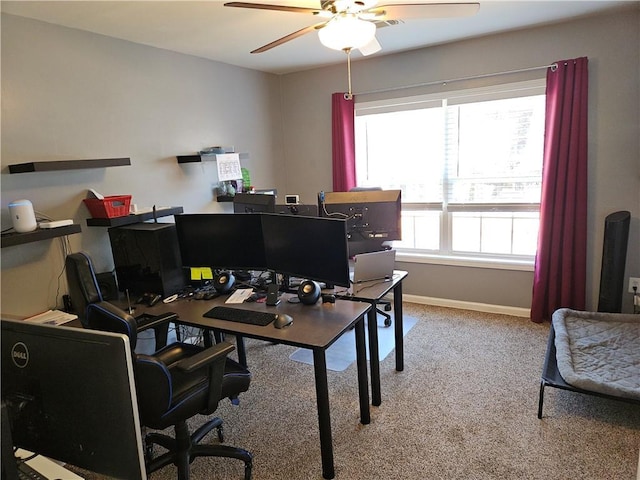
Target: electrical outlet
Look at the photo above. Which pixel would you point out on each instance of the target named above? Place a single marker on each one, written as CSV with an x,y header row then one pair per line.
x,y
634,282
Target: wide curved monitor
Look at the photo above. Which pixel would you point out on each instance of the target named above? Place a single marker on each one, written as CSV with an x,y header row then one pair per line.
x,y
69,394
313,248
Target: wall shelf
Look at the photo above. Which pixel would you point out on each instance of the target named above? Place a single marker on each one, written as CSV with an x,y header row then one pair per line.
x,y
205,157
15,238
133,218
68,165
196,158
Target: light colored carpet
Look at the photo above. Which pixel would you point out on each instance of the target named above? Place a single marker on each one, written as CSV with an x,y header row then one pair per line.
x,y
343,352
465,407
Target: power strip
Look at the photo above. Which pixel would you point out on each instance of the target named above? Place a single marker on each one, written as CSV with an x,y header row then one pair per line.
x,y
55,224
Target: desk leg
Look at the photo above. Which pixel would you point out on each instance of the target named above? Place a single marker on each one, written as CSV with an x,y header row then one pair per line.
x,y
374,356
324,418
242,352
363,387
397,316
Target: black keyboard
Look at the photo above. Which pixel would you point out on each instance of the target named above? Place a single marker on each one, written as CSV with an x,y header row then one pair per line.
x,y
242,316
25,472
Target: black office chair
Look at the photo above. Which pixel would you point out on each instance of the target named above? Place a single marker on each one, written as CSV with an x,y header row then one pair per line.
x,y
84,290
385,304
174,384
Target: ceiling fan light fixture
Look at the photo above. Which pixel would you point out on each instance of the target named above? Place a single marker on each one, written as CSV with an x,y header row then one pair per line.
x,y
347,32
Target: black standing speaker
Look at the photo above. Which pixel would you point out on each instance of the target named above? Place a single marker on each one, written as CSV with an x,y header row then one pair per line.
x,y
224,281
309,292
614,256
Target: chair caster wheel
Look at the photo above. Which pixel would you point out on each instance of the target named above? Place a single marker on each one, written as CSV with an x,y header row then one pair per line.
x,y
220,434
148,452
387,322
387,308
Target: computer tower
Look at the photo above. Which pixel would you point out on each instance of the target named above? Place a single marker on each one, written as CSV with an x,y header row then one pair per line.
x,y
147,258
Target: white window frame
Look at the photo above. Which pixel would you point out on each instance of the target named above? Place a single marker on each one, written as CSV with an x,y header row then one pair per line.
x,y
494,92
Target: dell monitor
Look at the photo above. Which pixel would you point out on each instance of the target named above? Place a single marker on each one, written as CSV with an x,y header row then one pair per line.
x,y
221,241
313,248
373,217
254,203
69,394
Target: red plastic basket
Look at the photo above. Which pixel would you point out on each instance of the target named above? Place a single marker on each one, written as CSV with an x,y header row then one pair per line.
x,y
109,207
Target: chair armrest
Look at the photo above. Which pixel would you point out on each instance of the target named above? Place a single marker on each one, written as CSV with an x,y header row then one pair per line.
x,y
206,357
147,320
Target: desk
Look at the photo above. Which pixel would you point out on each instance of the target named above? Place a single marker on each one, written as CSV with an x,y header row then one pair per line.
x,y
315,327
372,294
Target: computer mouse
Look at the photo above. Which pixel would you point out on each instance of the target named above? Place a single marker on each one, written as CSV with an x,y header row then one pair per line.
x,y
282,320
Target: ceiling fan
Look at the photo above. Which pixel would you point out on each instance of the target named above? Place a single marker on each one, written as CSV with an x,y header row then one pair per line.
x,y
351,24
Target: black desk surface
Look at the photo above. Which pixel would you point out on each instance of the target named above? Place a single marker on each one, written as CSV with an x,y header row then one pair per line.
x,y
314,326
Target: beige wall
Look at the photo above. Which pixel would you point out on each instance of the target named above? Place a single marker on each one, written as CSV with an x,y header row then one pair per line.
x,y
67,94
611,43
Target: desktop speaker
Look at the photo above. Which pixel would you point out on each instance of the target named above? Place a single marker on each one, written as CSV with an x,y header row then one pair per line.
x,y
23,217
309,292
223,282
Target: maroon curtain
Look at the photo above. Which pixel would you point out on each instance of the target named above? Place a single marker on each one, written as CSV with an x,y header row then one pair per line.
x,y
343,141
560,266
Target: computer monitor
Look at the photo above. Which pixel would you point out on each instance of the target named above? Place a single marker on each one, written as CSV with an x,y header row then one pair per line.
x,y
254,203
313,248
221,241
298,209
374,217
69,394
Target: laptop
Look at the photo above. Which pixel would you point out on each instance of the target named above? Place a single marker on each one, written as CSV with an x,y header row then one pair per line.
x,y
372,266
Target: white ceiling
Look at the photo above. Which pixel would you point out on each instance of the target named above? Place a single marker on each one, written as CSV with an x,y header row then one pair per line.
x,y
210,30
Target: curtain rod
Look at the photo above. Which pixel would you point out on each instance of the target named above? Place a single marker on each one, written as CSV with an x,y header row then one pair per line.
x,y
553,67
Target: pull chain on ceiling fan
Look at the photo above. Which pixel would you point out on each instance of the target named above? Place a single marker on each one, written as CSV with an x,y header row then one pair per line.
x,y
351,24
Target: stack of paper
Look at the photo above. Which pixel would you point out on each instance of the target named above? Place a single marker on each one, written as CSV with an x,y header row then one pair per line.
x,y
52,317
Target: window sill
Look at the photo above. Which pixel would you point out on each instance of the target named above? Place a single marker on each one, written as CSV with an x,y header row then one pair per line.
x,y
459,261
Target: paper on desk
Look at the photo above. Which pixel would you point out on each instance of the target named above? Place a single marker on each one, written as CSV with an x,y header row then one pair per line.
x,y
52,317
47,467
240,295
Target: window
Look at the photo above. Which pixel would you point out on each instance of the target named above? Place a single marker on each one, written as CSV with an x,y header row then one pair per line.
x,y
469,164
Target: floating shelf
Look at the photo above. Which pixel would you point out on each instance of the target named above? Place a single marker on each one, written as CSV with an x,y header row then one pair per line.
x,y
68,165
134,218
224,198
205,157
15,238
196,158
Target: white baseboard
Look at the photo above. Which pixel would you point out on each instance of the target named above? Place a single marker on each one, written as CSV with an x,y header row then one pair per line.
x,y
475,306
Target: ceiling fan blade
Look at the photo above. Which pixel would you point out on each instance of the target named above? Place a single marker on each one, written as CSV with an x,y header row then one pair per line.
x,y
423,10
288,38
265,6
370,48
